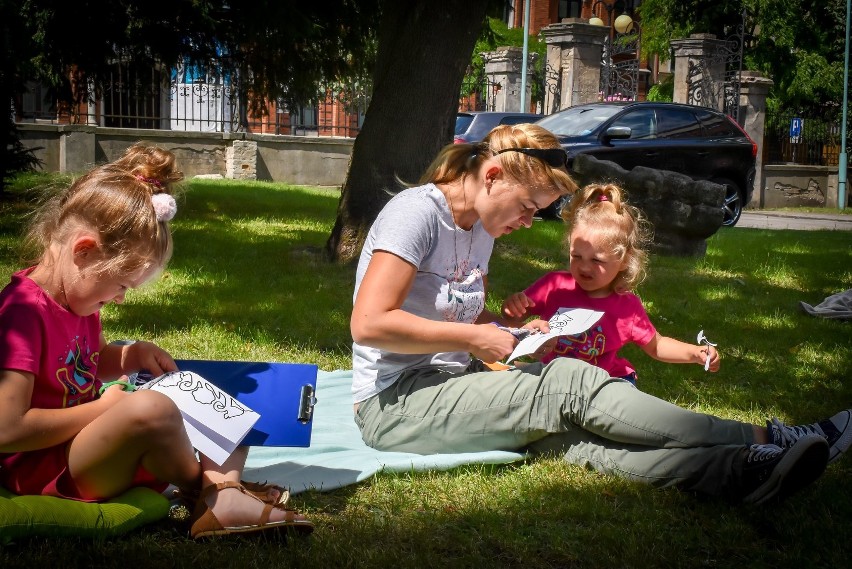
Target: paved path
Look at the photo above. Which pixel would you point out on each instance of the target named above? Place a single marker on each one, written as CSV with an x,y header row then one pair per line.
x,y
794,220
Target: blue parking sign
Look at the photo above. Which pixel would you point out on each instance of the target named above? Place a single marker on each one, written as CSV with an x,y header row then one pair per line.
x,y
796,129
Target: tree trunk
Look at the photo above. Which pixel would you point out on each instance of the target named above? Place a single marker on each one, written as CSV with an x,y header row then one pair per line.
x,y
423,50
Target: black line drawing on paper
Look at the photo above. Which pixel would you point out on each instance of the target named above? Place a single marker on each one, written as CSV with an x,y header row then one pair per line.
x,y
204,393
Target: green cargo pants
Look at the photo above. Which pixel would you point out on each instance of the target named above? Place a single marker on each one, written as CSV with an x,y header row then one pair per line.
x,y
566,406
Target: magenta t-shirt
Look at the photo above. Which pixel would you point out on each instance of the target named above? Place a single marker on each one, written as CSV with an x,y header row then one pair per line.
x,y
41,337
624,321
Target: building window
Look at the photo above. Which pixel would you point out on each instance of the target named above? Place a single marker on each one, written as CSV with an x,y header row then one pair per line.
x,y
509,13
37,103
569,8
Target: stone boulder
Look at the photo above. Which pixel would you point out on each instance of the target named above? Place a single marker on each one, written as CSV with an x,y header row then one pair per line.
x,y
684,212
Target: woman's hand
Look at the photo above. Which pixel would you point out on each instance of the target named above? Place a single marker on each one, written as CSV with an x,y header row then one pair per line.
x,y
492,344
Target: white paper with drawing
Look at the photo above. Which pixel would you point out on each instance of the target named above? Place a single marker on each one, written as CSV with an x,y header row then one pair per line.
x,y
566,322
214,421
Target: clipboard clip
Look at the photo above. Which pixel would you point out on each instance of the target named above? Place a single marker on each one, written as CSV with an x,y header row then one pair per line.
x,y
306,404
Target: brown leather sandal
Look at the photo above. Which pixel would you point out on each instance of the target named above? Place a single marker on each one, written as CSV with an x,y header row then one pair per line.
x,y
205,524
259,489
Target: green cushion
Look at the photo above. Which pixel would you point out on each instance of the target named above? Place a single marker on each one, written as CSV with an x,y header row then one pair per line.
x,y
22,516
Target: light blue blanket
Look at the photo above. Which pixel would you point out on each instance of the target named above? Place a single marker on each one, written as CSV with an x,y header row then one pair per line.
x,y
337,456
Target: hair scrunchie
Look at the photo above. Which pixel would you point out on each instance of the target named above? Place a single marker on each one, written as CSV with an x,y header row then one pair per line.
x,y
152,181
165,206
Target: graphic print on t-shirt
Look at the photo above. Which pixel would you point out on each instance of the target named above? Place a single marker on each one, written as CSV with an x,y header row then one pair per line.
x,y
76,373
587,346
465,299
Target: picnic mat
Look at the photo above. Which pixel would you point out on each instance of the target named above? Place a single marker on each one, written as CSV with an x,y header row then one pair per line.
x,y
337,456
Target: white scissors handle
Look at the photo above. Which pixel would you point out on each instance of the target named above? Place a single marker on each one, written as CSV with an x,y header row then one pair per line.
x,y
702,339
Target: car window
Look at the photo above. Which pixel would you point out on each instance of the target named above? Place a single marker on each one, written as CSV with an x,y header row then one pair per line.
x,y
518,119
641,122
578,121
717,125
677,123
462,123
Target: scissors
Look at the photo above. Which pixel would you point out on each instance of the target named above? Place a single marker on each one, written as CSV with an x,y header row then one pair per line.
x,y
518,333
124,383
702,339
131,383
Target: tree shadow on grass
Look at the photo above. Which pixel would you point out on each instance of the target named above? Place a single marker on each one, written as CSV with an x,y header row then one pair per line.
x,y
538,514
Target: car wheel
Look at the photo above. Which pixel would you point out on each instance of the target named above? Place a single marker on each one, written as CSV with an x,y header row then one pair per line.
x,y
732,207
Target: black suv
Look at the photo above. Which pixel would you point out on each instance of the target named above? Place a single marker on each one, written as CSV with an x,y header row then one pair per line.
x,y
699,142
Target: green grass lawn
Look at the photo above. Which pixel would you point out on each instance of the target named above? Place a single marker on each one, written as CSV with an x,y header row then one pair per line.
x,y
248,281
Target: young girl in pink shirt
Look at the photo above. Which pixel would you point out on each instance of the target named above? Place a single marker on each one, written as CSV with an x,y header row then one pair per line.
x,y
606,242
61,433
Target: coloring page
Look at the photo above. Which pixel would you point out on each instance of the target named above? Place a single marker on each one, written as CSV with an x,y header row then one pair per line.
x,y
566,322
214,421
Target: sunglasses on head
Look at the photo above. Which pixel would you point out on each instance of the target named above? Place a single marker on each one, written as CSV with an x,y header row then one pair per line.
x,y
553,157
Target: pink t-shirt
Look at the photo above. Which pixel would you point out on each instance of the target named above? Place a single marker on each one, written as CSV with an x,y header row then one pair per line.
x,y
60,348
624,321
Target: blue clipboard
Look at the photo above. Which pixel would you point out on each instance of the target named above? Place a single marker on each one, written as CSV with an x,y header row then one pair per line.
x,y
283,395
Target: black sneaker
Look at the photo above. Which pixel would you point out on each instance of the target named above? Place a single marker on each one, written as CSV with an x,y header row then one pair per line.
x,y
770,471
837,430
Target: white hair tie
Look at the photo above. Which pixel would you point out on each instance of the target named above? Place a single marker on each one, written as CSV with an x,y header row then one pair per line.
x,y
165,206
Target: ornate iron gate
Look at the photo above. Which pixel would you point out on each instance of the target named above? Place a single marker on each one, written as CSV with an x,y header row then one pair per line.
x,y
704,89
548,96
478,92
620,65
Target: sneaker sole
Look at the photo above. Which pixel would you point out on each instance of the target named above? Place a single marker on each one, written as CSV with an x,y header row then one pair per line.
x,y
803,463
842,444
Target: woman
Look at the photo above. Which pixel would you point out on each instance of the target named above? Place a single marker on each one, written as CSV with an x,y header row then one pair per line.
x,y
419,312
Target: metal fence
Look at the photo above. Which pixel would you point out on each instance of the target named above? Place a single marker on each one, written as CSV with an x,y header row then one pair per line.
x,y
478,91
196,99
799,138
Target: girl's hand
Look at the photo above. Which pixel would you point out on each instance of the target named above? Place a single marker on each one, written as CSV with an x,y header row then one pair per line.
x,y
537,325
113,394
150,357
515,306
544,349
492,344
715,358
543,327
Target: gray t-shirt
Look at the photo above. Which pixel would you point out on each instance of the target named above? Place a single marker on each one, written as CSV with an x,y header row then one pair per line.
x,y
417,226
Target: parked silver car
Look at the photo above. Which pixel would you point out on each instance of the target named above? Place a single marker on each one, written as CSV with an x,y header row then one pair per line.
x,y
472,126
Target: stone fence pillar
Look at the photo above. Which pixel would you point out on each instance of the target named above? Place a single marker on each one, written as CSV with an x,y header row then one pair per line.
x,y
754,87
241,160
77,148
574,50
699,75
503,68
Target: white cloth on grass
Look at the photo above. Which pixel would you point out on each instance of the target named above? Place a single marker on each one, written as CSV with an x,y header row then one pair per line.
x,y
837,306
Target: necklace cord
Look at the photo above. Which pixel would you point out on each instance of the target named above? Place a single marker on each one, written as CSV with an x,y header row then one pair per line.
x,y
457,274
